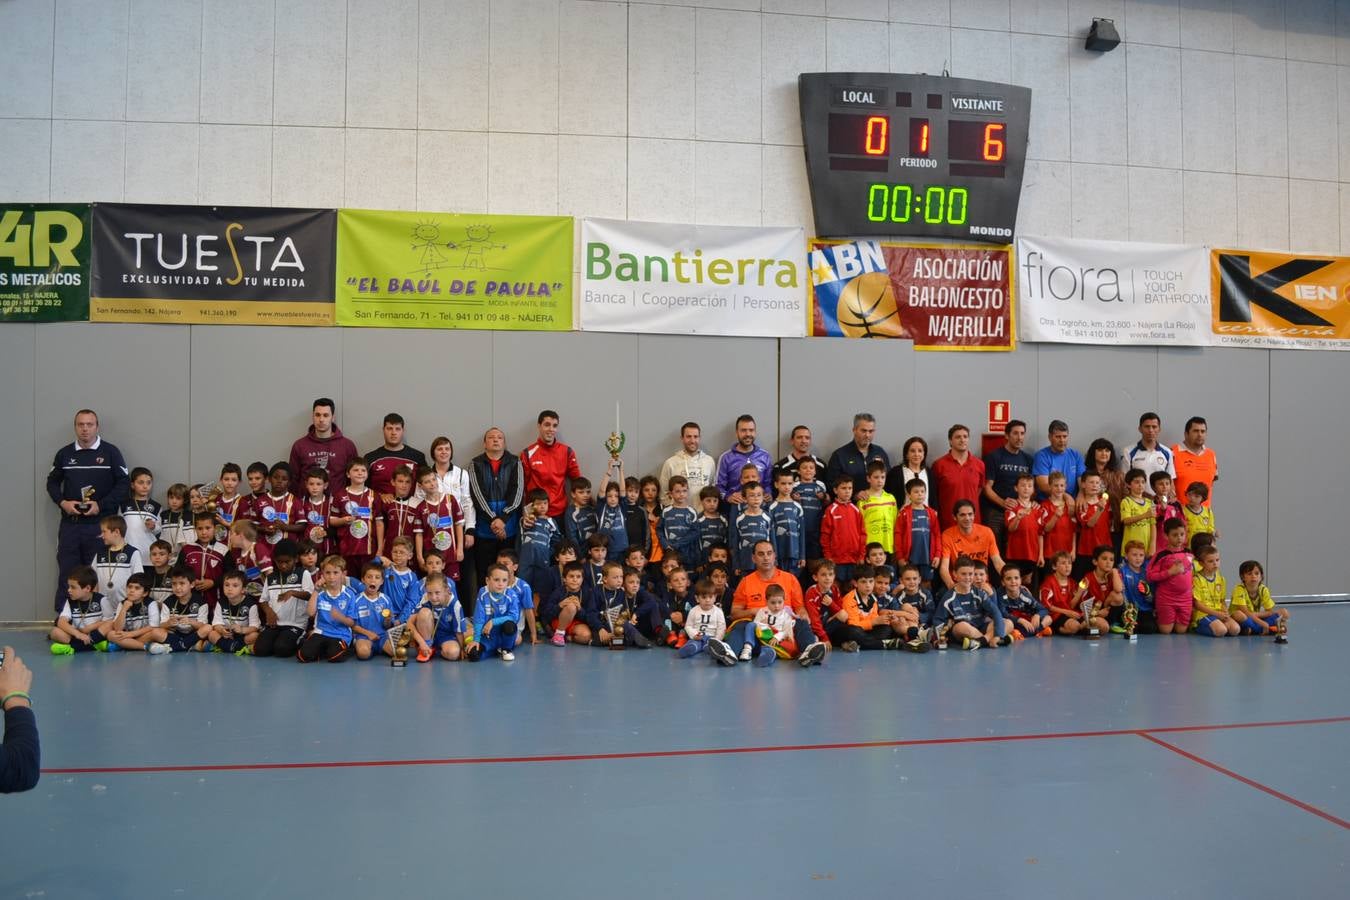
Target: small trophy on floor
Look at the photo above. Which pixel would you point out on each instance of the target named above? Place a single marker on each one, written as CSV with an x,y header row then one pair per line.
x,y
400,636
1089,630
1282,632
616,627
1130,619
942,635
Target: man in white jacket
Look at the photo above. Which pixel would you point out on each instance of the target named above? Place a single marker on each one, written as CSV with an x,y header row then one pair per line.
x,y
691,462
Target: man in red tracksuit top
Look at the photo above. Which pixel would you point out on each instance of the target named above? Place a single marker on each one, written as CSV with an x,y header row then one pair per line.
x,y
549,463
842,535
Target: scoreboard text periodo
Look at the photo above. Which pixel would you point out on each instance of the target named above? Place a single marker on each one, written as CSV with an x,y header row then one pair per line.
x,y
914,155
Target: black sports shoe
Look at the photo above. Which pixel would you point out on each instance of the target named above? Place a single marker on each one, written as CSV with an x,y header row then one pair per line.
x,y
814,655
721,652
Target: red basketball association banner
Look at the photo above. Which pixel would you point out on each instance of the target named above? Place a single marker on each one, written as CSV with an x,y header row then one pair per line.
x,y
941,297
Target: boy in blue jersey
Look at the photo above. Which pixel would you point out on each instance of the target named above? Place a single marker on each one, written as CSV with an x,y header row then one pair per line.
x,y
596,550
676,600
563,610
606,606
974,618
789,525
1137,588
401,584
579,518
438,626
917,606
610,521
1028,616
678,529
646,609
750,526
497,614
711,526
368,626
521,592
537,541
332,607
812,496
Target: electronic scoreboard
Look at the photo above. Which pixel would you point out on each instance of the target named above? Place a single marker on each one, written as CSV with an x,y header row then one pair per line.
x,y
913,155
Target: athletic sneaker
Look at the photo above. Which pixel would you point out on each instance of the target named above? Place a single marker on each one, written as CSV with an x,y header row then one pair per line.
x,y
1117,629
746,652
1045,632
506,655
814,655
766,658
680,640
1005,640
112,647
424,655
850,647
158,648
62,650
101,646
890,644
918,645
970,643
641,641
245,650
719,650
671,639
559,639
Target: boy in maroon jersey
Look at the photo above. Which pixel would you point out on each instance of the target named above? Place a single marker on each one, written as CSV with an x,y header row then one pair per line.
x,y
1056,520
401,517
250,557
230,505
256,476
442,525
1093,514
277,511
206,558
359,519
314,511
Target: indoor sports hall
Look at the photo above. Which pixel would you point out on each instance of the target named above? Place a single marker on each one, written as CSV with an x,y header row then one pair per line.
x,y
313,311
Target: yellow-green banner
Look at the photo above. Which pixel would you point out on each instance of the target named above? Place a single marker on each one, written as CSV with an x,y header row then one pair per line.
x,y
454,270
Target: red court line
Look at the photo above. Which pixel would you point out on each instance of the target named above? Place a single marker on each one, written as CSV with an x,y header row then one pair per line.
x,y
666,754
1247,781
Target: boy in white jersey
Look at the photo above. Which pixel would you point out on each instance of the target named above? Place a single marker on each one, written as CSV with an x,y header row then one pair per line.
x,y
140,513
80,624
705,623
284,604
137,617
117,561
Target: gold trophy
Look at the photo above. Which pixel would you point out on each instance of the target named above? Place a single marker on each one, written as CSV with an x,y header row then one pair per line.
x,y
86,498
1282,632
614,443
1130,619
1089,631
616,626
400,635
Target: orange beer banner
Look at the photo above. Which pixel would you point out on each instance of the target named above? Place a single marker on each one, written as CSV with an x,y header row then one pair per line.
x,y
941,297
1280,300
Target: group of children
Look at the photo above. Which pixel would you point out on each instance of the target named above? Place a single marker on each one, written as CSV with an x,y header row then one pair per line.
x,y
324,577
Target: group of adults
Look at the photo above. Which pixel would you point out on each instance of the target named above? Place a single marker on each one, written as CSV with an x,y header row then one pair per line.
x,y
89,476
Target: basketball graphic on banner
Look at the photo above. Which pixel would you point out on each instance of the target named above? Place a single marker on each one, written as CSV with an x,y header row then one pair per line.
x,y
867,308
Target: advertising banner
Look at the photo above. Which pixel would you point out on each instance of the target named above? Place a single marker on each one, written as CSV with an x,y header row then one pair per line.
x,y
1111,292
941,297
450,270
44,262
216,265
1281,300
692,279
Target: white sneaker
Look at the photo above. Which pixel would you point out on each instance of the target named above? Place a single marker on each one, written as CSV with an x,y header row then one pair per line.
x,y
746,652
720,651
157,649
506,655
814,655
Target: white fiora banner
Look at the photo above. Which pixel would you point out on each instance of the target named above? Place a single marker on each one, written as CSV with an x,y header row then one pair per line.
x,y
1110,292
692,279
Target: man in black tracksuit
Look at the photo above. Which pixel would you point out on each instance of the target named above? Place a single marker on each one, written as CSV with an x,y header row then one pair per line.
x,y
87,481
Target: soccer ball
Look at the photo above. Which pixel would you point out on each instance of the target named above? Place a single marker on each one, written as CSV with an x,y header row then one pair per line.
x,y
867,308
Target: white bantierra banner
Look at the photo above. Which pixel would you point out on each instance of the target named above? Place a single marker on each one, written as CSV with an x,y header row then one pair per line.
x,y
646,277
1112,292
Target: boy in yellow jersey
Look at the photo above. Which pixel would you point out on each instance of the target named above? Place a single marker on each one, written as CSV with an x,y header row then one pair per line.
x,y
1199,517
1137,518
1252,606
1210,616
878,508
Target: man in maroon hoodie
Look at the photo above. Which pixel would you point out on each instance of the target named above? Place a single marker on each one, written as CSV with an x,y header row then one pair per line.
x,y
323,448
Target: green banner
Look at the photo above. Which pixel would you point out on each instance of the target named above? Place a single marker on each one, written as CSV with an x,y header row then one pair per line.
x,y
44,262
451,270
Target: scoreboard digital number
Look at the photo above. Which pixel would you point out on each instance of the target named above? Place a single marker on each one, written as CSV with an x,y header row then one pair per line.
x,y
913,155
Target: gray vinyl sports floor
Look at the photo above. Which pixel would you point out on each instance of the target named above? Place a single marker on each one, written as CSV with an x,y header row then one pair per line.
x,y
1176,766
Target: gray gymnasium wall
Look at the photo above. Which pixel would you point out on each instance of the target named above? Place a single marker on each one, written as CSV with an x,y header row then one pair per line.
x,y
1221,121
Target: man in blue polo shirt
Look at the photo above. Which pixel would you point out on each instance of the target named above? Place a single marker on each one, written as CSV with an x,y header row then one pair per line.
x,y
1058,457
1002,467
87,480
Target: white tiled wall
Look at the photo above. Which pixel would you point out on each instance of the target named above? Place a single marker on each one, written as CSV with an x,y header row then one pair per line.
x,y
1216,120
